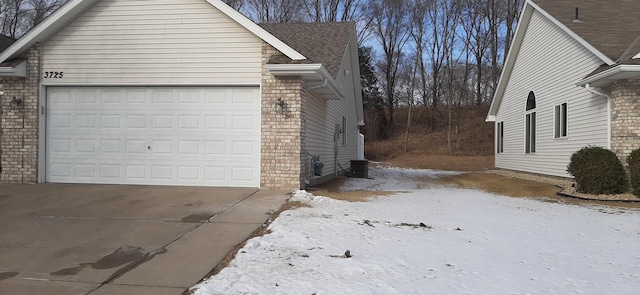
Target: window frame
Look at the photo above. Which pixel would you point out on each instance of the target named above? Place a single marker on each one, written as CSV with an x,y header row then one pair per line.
x,y
500,137
530,124
561,121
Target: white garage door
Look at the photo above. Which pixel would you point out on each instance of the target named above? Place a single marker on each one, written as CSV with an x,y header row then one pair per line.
x,y
154,135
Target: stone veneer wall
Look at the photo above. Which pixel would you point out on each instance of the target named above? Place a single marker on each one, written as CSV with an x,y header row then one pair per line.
x,y
19,128
625,118
282,150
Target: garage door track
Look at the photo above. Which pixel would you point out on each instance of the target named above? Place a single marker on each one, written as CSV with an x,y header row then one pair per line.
x,y
116,239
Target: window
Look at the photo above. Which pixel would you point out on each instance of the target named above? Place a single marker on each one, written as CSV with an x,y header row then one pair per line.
x,y
531,101
344,131
530,135
530,125
560,130
500,138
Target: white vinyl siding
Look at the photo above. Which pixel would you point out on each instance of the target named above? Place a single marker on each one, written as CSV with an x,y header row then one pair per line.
x,y
550,63
153,42
323,116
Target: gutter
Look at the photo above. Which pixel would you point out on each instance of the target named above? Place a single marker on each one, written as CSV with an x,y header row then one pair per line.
x,y
19,70
317,71
323,84
620,69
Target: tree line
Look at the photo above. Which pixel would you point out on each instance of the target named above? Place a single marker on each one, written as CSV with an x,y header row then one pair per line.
x,y
429,54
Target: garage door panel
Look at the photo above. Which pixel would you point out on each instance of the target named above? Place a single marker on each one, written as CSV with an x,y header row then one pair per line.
x,y
142,135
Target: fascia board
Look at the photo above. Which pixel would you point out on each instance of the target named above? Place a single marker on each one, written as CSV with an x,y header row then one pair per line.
x,y
317,70
610,73
293,69
19,70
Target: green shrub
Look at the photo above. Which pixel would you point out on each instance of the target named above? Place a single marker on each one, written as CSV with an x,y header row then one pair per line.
x,y
634,170
598,171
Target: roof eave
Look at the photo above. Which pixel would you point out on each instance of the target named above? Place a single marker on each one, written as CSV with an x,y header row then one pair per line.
x,y
619,72
309,72
19,70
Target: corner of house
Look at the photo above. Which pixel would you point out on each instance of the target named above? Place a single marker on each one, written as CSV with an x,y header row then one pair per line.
x,y
282,142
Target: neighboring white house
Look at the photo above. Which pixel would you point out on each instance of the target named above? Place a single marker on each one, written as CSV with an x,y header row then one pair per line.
x,y
183,92
570,80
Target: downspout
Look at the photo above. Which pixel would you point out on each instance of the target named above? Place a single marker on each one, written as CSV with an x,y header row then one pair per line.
x,y
324,83
596,92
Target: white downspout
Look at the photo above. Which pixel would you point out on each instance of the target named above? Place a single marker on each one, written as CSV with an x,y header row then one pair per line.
x,y
324,83
594,91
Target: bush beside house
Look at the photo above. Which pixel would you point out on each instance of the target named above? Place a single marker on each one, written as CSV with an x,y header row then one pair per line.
x,y
598,171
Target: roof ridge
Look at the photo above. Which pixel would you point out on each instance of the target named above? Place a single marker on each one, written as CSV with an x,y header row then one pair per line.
x,y
625,54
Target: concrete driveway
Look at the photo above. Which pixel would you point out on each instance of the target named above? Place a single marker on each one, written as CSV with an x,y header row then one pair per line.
x,y
115,239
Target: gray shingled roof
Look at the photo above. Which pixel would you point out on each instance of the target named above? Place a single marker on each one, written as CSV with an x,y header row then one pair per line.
x,y
611,26
323,43
5,42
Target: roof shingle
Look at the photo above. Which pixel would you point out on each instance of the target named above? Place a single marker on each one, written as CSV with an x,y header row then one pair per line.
x,y
611,26
5,42
323,43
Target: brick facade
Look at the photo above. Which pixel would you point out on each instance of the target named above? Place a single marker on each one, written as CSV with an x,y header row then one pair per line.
x,y
19,127
625,118
282,150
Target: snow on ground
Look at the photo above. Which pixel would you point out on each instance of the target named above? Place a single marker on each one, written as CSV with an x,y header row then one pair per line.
x,y
471,242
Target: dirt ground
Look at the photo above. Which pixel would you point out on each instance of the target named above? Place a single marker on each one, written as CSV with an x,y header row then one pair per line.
x,y
477,178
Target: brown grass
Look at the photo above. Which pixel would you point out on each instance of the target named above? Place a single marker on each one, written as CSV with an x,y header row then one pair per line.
x,y
429,134
502,185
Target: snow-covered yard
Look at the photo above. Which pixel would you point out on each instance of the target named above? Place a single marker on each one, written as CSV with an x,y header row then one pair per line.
x,y
437,240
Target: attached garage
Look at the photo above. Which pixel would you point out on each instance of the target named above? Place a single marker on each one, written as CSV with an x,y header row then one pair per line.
x,y
154,135
177,92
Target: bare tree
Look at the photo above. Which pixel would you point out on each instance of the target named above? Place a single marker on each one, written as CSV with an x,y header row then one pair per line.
x,y
477,39
235,4
18,16
274,11
420,39
444,17
339,11
390,29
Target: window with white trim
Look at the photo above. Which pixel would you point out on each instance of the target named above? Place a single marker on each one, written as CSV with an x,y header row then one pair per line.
x,y
560,121
500,138
530,125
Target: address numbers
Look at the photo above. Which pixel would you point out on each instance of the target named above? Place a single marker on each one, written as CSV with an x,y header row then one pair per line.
x,y
53,75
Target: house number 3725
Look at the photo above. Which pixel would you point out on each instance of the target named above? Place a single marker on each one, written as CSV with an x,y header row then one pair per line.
x,y
54,75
